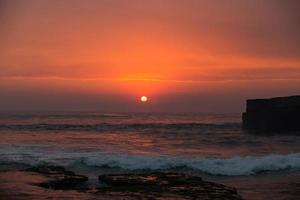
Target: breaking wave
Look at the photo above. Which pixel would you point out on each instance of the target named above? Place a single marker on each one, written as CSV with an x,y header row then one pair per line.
x,y
234,166
217,166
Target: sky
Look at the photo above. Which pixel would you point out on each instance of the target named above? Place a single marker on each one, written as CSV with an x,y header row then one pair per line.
x,y
184,55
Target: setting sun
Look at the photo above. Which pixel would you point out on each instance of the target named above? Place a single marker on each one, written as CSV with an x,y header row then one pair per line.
x,y
144,98
155,87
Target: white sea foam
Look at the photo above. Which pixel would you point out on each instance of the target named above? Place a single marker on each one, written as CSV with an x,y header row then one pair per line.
x,y
233,166
219,166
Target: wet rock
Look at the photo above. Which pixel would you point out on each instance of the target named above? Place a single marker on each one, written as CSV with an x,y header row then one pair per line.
x,y
154,185
60,178
164,186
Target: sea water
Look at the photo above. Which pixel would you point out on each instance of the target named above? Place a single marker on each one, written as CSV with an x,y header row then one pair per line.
x,y
213,146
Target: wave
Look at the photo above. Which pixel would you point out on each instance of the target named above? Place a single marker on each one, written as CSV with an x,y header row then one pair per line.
x,y
61,115
234,166
119,127
231,166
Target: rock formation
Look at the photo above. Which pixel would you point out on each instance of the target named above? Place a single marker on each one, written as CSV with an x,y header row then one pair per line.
x,y
165,186
280,114
61,179
152,185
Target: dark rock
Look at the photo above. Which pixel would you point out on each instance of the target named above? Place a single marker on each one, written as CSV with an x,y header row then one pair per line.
x,y
154,185
165,186
280,114
60,178
44,169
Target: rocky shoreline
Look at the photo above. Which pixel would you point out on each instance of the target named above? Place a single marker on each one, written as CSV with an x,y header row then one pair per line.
x,y
155,185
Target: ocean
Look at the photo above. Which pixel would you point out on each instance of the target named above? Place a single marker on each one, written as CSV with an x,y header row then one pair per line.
x,y
214,146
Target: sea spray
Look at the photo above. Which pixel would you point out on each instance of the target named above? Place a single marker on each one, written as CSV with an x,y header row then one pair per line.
x,y
233,166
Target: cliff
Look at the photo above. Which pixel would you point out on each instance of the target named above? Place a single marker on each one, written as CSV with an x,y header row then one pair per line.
x,y
275,114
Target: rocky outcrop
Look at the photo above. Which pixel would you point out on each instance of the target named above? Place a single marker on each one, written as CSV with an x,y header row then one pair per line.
x,y
60,178
156,185
165,186
276,114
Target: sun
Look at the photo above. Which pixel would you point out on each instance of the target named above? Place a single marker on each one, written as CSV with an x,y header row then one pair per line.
x,y
144,98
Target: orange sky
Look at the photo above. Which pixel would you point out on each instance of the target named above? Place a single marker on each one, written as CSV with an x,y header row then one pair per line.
x,y
186,55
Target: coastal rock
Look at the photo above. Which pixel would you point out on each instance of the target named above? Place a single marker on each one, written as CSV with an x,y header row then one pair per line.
x,y
155,185
280,114
60,178
164,186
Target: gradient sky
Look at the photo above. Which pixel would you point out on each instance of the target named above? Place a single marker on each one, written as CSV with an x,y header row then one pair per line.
x,y
185,55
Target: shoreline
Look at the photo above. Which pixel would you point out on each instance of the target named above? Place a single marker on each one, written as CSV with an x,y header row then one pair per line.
x,y
19,183
52,181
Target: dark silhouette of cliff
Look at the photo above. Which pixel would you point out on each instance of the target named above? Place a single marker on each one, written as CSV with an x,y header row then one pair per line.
x,y
278,114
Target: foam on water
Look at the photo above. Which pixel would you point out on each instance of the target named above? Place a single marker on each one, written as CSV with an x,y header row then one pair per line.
x,y
206,143
217,166
233,166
